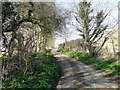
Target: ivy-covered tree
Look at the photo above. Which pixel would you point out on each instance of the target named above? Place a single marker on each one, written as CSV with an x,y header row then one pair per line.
x,y
91,27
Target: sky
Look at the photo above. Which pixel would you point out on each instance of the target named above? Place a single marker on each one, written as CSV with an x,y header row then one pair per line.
x,y
110,6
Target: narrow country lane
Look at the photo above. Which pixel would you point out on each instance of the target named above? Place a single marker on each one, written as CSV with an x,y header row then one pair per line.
x,y
76,74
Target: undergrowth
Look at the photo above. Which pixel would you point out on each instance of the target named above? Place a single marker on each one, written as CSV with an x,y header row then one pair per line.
x,y
43,75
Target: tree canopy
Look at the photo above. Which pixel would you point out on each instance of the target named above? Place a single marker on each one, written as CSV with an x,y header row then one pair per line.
x,y
27,27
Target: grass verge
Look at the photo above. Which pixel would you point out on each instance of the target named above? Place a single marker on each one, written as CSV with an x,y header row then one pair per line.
x,y
107,63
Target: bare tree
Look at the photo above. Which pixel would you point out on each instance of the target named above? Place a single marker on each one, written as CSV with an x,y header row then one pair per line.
x,y
92,28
